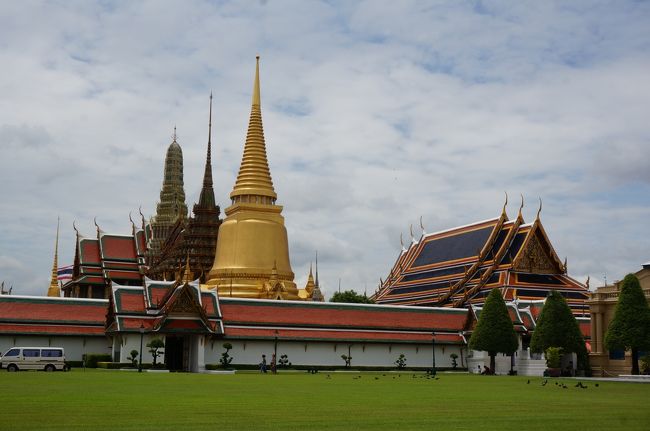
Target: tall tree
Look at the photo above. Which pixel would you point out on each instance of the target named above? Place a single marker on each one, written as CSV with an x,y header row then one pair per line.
x,y
494,332
351,296
630,327
557,327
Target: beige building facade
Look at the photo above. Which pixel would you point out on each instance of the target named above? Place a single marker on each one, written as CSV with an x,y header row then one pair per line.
x,y
602,306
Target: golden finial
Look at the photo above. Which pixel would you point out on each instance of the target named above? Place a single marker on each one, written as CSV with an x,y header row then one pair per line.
x,y
503,212
54,289
521,206
187,275
96,225
174,136
422,227
256,86
539,210
587,282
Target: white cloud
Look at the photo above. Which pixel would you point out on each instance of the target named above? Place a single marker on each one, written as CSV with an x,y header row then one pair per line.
x,y
375,113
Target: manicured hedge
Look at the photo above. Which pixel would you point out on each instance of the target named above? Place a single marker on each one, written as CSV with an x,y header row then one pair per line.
x,y
93,358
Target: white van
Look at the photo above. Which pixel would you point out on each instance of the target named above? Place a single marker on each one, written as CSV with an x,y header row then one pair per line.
x,y
34,358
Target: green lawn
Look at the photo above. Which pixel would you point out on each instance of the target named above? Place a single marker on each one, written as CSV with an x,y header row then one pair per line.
x,y
108,400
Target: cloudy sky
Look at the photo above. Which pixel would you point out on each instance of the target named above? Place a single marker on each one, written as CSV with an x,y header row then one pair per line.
x,y
375,113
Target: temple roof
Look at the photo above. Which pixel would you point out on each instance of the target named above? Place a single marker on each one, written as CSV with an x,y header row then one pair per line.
x,y
50,315
334,321
165,307
459,266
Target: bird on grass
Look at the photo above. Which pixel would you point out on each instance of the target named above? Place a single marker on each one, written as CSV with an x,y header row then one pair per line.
x,y
544,382
328,377
376,378
596,384
528,382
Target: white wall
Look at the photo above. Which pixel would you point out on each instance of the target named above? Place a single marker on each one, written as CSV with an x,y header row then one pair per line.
x,y
328,353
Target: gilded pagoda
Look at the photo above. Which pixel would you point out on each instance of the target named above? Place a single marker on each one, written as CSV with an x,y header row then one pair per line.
x,y
458,267
252,257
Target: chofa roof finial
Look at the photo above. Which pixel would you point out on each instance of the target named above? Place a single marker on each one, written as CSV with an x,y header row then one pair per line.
x,y
505,204
521,206
540,209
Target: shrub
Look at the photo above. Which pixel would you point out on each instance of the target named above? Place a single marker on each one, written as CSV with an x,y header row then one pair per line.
x,y
92,359
226,359
284,362
453,357
553,357
645,365
348,360
134,357
401,361
154,348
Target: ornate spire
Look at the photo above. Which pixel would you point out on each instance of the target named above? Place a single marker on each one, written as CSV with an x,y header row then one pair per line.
x,y
317,285
254,178
207,192
54,289
187,275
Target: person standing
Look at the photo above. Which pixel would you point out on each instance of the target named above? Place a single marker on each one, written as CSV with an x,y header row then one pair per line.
x,y
263,364
274,369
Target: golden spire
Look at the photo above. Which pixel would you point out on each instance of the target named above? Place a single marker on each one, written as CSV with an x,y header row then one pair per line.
x,y
187,275
254,178
309,287
54,289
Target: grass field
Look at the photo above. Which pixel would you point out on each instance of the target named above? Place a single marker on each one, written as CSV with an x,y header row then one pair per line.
x,y
110,400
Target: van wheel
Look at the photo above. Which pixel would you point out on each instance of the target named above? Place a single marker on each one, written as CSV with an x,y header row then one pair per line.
x,y
49,367
12,368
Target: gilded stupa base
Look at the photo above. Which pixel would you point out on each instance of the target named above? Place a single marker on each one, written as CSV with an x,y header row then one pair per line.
x,y
254,286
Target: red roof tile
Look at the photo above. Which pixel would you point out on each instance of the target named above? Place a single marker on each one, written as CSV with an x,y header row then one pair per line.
x,y
118,247
89,251
36,309
51,329
344,336
335,315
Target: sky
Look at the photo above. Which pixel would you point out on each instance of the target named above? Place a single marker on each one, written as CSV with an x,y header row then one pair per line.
x,y
376,113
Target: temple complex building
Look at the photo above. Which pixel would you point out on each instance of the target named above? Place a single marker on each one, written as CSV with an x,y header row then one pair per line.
x,y
171,210
104,259
252,256
195,237
602,306
458,267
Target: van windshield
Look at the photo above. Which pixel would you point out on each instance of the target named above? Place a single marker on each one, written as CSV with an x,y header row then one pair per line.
x,y
12,352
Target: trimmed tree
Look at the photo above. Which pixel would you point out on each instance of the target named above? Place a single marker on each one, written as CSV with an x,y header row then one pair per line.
x,y
630,327
494,333
557,327
351,296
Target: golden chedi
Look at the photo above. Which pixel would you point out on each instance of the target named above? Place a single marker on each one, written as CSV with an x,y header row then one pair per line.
x,y
252,257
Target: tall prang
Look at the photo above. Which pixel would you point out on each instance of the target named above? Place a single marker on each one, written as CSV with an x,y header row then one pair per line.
x,y
252,256
171,208
193,242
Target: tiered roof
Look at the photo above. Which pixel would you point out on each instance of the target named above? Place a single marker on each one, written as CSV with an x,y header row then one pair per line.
x,y
458,267
164,307
107,257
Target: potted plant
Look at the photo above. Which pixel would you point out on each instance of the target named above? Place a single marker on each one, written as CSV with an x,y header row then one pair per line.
x,y
553,361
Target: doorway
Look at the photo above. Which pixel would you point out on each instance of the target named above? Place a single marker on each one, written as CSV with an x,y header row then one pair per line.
x,y
176,353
